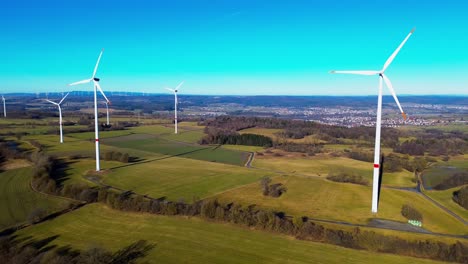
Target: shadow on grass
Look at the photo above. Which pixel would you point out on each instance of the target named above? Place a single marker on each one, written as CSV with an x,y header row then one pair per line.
x,y
15,249
61,170
157,159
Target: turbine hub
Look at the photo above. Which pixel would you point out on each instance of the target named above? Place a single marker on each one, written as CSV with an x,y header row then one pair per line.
x,y
96,79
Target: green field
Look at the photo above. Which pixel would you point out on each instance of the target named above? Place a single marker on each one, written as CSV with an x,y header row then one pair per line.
x,y
445,198
243,148
319,198
443,170
322,165
177,178
192,240
188,136
18,200
159,145
102,134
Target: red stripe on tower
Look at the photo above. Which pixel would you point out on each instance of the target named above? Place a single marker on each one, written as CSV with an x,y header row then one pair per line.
x,y
97,139
376,166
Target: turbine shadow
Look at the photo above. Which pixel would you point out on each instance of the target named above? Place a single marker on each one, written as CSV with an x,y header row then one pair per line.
x,y
382,160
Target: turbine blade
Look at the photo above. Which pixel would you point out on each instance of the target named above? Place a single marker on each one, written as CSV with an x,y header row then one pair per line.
x,y
356,72
390,87
80,82
51,101
390,59
97,63
178,86
169,89
100,90
63,98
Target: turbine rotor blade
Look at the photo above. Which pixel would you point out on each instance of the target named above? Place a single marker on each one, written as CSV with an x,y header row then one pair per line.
x,y
100,90
63,98
51,101
97,63
169,89
80,82
390,87
356,72
178,86
390,59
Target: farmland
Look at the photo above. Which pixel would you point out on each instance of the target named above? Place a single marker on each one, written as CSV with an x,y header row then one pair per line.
x,y
174,167
322,199
18,200
192,240
176,178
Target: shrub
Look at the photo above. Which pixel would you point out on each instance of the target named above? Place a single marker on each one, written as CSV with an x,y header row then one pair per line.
x,y
461,197
347,177
411,213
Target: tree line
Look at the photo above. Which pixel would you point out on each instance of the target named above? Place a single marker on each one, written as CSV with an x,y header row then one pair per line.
x,y
218,136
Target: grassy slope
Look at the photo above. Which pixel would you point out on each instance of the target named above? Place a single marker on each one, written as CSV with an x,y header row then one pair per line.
x,y
181,178
442,170
323,199
445,198
321,165
17,199
173,148
181,240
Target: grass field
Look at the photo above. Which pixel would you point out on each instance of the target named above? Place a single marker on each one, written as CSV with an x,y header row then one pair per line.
x,y
243,148
181,178
17,199
189,136
102,134
445,198
172,148
323,199
183,240
322,165
443,170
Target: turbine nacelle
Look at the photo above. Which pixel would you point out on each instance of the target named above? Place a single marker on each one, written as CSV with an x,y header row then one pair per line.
x,y
96,79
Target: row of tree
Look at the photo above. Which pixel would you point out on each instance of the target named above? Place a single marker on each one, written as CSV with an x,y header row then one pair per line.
x,y
218,136
457,179
117,156
347,177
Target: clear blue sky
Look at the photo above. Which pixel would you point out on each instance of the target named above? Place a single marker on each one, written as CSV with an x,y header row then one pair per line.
x,y
234,47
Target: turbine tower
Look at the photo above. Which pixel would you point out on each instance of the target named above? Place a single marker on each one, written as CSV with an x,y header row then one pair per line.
x,y
96,121
175,103
382,78
60,114
4,106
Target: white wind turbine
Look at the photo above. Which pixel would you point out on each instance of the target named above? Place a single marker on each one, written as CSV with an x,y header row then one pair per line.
x,y
382,78
60,114
175,103
96,121
4,106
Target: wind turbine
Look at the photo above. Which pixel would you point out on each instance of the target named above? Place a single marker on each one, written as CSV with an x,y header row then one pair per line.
x,y
175,103
60,114
96,121
382,78
4,106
